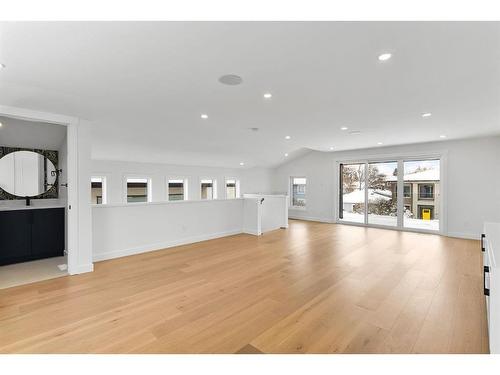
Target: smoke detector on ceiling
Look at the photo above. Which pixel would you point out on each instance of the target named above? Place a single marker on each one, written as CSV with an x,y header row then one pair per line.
x,y
231,79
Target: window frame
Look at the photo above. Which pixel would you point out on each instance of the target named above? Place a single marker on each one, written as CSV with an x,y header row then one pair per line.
x,y
290,188
149,190
420,197
237,187
185,182
104,188
441,155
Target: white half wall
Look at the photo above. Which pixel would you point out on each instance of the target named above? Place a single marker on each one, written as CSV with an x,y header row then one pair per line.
x,y
121,230
472,179
252,180
252,216
273,211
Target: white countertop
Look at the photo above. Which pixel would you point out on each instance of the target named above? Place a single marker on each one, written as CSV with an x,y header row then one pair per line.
x,y
18,208
36,204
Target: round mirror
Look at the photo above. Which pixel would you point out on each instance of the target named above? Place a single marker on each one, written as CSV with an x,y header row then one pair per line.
x,y
26,173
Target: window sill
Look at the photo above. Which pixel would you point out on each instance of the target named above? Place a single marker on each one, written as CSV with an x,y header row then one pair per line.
x,y
297,208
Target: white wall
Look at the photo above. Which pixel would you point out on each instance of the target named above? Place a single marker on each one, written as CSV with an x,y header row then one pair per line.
x,y
78,205
472,171
254,180
120,230
273,211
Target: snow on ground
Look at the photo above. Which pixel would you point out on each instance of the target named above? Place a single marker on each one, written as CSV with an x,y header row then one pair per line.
x,y
391,221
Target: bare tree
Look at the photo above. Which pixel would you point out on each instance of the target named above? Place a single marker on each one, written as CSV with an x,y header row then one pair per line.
x,y
353,178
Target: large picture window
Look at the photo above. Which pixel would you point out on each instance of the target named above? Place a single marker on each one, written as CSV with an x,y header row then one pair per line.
x,y
298,192
368,193
352,193
424,206
382,193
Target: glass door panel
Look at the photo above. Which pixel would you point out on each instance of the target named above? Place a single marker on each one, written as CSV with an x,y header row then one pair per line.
x,y
421,194
352,193
382,193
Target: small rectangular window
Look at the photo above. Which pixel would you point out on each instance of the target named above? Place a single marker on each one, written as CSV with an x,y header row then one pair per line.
x,y
232,188
298,191
137,190
177,190
208,189
98,190
425,191
407,190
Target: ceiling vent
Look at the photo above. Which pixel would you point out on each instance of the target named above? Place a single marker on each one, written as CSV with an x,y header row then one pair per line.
x,y
231,80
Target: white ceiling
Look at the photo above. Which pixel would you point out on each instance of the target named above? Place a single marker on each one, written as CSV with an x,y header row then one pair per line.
x,y
144,85
28,134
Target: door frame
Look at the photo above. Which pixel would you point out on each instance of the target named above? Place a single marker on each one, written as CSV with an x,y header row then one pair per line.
x,y
442,155
71,124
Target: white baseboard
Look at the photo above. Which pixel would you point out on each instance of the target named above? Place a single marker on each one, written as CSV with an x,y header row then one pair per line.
x,y
468,236
159,246
82,268
251,231
330,220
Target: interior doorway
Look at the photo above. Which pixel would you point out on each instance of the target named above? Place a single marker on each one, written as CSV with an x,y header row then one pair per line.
x,y
57,202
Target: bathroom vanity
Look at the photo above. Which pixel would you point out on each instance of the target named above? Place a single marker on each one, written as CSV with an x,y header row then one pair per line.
x,y
32,222
31,233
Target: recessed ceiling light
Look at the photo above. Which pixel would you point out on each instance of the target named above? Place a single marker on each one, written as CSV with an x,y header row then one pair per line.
x,y
379,143
204,116
331,148
344,128
268,95
286,155
384,56
427,114
442,136
1,124
241,163
287,137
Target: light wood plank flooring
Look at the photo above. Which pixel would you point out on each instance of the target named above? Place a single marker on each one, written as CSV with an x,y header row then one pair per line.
x,y
313,288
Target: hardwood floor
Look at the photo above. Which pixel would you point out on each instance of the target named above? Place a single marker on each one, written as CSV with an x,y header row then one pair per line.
x,y
314,288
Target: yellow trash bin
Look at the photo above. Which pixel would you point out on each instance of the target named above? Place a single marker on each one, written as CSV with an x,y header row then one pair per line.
x,y
426,214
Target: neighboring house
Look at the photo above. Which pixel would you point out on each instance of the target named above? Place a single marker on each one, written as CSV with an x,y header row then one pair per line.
x,y
421,193
355,197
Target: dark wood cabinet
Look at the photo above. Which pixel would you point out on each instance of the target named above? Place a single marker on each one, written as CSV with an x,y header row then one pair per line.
x,y
31,234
